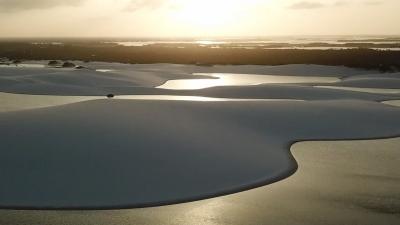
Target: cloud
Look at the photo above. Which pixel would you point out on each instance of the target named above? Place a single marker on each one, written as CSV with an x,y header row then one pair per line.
x,y
318,4
373,2
20,5
306,5
134,5
340,3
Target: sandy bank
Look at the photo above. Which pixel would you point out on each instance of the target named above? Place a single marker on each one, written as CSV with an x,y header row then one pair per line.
x,y
128,153
128,79
346,182
393,103
16,102
385,91
373,82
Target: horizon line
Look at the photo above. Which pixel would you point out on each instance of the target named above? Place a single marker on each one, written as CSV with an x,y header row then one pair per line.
x,y
200,37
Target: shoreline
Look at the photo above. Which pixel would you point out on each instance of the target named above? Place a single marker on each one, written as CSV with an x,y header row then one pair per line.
x,y
268,129
301,195
256,177
237,191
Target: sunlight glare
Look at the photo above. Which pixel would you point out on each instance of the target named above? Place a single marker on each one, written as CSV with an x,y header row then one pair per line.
x,y
209,13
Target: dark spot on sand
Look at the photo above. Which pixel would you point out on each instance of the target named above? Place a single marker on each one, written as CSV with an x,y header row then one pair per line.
x,y
68,65
53,63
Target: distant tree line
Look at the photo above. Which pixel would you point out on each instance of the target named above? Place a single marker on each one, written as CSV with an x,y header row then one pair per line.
x,y
358,58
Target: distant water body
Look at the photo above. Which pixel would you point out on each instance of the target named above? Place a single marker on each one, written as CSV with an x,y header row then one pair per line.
x,y
384,43
231,79
387,43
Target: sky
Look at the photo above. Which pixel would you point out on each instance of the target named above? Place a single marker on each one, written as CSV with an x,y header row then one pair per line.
x,y
197,18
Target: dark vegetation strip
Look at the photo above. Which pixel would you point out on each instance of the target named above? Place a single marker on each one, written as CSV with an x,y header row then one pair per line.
x,y
358,58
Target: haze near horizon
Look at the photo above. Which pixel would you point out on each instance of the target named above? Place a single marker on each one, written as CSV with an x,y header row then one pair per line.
x,y
191,18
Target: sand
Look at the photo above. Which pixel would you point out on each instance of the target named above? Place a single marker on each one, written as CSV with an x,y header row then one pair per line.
x,y
387,91
101,79
338,182
128,153
284,91
64,145
17,102
371,82
393,103
128,79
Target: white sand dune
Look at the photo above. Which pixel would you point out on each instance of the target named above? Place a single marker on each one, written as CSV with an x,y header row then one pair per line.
x,y
294,70
126,79
375,82
371,76
91,81
61,137
100,79
393,103
198,98
22,65
17,102
338,182
365,90
282,91
127,153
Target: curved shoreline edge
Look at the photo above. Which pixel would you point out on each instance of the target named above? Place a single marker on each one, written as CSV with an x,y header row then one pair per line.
x,y
242,121
290,172
283,172
366,170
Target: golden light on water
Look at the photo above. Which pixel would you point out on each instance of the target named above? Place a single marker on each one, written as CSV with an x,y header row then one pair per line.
x,y
227,79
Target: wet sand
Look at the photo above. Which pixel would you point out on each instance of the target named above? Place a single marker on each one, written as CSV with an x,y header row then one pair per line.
x,y
338,182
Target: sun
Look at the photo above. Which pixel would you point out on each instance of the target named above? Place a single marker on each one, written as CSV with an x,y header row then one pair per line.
x,y
207,13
